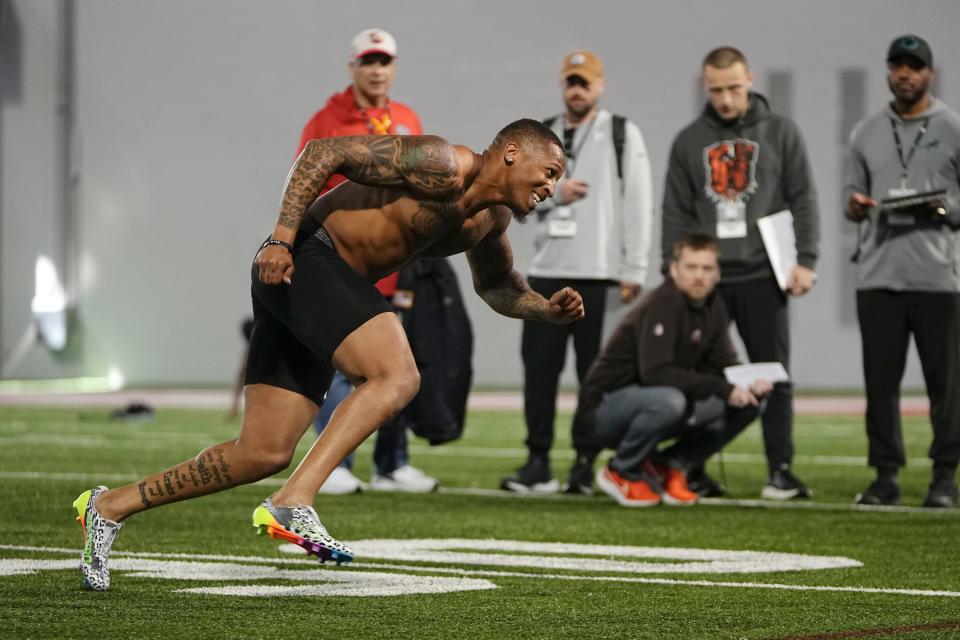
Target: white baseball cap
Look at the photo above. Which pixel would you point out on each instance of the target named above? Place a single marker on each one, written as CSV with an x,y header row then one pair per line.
x,y
373,41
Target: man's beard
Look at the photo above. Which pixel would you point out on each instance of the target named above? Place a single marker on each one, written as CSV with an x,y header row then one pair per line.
x,y
580,109
910,96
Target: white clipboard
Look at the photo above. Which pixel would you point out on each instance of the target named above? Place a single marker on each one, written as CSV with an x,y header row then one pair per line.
x,y
780,241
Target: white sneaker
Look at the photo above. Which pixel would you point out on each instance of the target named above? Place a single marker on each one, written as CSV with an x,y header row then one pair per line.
x,y
406,478
341,481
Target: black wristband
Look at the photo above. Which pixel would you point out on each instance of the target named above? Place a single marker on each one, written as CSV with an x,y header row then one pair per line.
x,y
285,245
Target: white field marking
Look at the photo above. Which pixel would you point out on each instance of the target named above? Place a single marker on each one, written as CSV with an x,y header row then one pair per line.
x,y
510,495
154,440
334,583
572,557
172,570
549,555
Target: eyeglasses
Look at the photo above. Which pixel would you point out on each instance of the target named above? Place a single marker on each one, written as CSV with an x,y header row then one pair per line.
x,y
577,81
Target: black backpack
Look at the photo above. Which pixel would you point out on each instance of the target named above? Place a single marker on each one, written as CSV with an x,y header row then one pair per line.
x,y
619,138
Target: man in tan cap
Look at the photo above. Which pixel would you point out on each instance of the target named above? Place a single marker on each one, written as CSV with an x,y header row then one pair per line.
x,y
595,232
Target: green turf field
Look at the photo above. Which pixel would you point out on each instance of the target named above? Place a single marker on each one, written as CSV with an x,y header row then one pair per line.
x,y
882,574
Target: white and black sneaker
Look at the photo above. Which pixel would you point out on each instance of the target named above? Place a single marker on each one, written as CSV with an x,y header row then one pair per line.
x,y
783,485
98,536
533,477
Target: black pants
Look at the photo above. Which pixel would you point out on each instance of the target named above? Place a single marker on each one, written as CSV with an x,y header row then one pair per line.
x,y
887,318
544,350
759,309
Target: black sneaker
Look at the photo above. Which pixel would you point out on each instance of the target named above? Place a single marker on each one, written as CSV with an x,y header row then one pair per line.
x,y
942,495
882,492
783,485
706,487
533,477
580,481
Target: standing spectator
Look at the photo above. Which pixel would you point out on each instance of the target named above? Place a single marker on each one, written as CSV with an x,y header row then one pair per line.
x,y
365,108
733,165
595,231
908,277
661,377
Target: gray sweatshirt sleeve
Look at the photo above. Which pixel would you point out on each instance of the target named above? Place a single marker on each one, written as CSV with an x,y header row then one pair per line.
x,y
801,193
679,203
637,208
856,178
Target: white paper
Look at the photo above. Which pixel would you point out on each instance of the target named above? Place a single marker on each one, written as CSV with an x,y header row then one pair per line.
x,y
781,244
744,375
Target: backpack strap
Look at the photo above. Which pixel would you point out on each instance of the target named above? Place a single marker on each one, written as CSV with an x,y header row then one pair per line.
x,y
619,140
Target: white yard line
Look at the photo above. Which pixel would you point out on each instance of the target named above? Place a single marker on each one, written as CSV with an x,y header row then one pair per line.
x,y
478,401
509,495
151,438
361,566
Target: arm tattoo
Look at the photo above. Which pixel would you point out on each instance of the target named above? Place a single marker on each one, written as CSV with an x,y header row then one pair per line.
x,y
514,298
426,164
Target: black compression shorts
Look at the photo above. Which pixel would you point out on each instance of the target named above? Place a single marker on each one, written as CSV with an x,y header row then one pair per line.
x,y
297,327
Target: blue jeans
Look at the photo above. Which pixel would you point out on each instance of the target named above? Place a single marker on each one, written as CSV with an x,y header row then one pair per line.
x,y
390,449
633,420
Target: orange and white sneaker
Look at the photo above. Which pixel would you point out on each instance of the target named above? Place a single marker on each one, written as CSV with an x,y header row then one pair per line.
x,y
629,493
675,489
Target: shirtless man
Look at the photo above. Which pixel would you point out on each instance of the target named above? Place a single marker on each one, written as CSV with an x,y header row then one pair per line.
x,y
316,309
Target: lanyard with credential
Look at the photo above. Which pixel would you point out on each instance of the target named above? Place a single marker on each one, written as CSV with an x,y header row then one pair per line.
x,y
905,162
574,153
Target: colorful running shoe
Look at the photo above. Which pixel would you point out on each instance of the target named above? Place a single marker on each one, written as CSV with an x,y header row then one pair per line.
x,y
98,536
301,526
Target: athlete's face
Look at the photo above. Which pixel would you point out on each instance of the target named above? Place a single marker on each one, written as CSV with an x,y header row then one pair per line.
x,y
372,76
909,79
695,273
728,89
532,172
580,95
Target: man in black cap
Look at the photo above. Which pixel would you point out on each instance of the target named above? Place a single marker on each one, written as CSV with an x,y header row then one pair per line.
x,y
902,188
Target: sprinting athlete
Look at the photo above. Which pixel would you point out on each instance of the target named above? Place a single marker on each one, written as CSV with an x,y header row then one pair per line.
x,y
316,309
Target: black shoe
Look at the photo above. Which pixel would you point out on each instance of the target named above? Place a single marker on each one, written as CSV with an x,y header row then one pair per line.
x,y
942,495
881,492
783,485
706,487
533,477
580,482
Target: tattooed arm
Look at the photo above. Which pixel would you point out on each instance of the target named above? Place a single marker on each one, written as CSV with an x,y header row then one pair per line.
x,y
427,165
506,290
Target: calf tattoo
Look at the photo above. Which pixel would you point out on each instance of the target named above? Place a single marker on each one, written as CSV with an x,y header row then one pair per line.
x,y
208,468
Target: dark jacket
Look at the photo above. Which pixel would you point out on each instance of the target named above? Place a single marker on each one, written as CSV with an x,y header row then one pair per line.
x,y
759,160
665,341
441,340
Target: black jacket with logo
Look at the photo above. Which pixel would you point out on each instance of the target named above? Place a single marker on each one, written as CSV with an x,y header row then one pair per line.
x,y
665,341
760,160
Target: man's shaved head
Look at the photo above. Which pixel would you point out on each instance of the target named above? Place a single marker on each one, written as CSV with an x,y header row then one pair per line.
x,y
528,133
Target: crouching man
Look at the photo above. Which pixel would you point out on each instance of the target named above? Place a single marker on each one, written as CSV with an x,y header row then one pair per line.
x,y
660,377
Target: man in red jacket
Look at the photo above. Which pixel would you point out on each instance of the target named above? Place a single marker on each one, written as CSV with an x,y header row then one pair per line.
x,y
365,108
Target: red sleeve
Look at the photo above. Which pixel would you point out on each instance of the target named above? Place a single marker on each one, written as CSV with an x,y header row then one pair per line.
x,y
388,285
311,131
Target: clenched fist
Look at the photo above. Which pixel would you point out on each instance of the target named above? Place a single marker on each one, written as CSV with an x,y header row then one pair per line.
x,y
275,264
564,307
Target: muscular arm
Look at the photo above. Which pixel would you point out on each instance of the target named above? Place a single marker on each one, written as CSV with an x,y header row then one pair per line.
x,y
506,290
427,165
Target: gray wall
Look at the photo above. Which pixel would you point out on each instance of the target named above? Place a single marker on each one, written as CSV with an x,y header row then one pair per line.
x,y
188,114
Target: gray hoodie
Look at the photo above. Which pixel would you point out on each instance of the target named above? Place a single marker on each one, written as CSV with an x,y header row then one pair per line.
x,y
757,164
922,256
614,221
